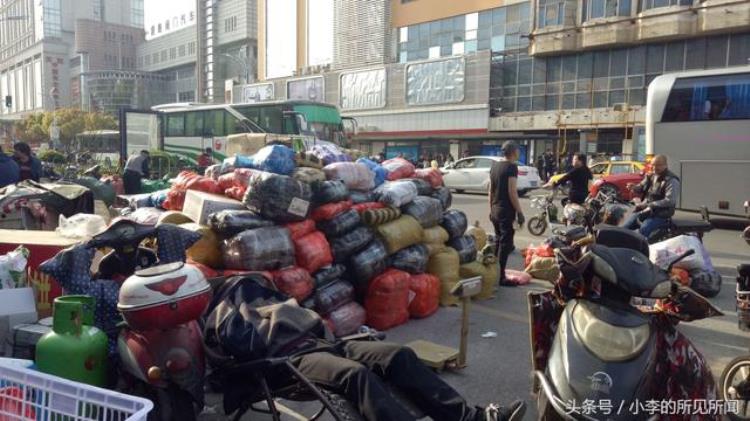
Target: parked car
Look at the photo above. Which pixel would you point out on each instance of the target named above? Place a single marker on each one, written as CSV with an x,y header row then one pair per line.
x,y
616,184
606,168
473,174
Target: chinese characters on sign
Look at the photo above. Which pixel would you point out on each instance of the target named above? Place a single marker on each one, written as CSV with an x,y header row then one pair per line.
x,y
435,82
363,90
308,89
651,407
257,92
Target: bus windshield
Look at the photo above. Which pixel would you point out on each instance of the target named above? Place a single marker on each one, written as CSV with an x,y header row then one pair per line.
x,y
323,121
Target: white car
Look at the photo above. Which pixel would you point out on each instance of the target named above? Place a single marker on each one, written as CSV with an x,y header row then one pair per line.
x,y
473,174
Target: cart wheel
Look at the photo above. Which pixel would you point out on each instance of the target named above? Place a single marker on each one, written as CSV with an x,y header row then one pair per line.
x,y
734,385
536,225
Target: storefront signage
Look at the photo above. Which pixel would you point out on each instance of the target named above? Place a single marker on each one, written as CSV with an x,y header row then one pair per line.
x,y
257,92
307,89
435,82
364,89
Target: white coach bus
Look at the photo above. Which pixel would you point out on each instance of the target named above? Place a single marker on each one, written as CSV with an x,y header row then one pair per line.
x,y
701,121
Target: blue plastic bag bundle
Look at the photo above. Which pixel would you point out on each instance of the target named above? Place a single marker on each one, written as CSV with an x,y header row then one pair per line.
x,y
329,191
329,153
412,259
277,159
340,224
278,197
328,274
454,221
443,194
346,245
158,197
381,174
426,210
466,247
358,197
367,264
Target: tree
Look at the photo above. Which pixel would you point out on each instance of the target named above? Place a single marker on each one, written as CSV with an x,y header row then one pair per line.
x,y
34,128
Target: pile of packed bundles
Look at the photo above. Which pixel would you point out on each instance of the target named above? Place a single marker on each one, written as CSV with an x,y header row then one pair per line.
x,y
696,270
357,241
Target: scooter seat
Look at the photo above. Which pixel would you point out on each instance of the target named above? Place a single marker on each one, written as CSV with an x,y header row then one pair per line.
x,y
634,271
744,270
692,225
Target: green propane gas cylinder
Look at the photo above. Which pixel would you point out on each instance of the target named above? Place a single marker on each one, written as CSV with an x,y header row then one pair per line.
x,y
74,349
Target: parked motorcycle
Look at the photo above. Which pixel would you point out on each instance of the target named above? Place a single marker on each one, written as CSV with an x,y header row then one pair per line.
x,y
547,215
590,343
677,226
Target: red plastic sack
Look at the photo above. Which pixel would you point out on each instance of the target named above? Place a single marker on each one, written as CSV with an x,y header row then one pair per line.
x,y
517,277
13,405
204,184
426,291
207,271
326,212
542,250
175,200
398,168
227,181
346,319
430,175
236,192
237,178
294,282
300,229
387,301
312,251
183,178
361,207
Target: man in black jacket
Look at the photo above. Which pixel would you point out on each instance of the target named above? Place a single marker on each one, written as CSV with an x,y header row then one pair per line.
x,y
659,193
579,178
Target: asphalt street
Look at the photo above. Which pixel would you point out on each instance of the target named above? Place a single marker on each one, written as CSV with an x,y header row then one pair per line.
x,y
499,367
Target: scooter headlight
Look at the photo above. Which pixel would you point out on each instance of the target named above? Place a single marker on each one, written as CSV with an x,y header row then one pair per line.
x,y
606,341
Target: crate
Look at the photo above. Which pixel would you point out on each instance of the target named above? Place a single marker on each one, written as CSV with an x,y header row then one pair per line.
x,y
26,394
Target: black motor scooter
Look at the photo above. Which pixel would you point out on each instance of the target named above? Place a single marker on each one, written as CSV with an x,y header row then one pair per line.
x,y
596,354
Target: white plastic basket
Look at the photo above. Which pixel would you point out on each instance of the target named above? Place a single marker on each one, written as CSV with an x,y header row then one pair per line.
x,y
27,395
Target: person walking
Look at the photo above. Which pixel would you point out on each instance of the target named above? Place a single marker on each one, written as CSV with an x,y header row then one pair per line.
x,y
29,165
505,208
550,166
135,169
540,167
10,173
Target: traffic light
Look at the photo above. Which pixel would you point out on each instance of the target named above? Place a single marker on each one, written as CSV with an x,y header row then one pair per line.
x,y
8,101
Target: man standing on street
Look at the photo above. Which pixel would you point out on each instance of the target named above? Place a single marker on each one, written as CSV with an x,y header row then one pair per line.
x,y
550,166
135,169
659,194
30,166
9,171
505,207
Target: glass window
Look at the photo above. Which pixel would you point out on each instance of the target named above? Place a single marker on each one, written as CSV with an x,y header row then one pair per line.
x,y
585,65
484,163
569,68
739,50
709,98
655,58
458,48
716,51
695,53
620,168
403,34
554,68
470,46
498,43
596,9
675,56
194,123
214,123
601,64
618,62
637,60
176,124
472,21
538,103
466,164
524,103
524,71
599,169
434,52
540,70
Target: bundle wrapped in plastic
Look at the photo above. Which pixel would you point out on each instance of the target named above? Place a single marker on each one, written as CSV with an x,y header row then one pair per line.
x,y
387,300
329,191
213,171
412,259
326,212
268,248
364,206
278,197
443,194
302,228
479,234
662,253
426,291
147,216
367,264
175,200
277,159
397,193
423,187
454,222
358,197
340,224
333,296
378,216
426,210
472,269
346,245
308,175
445,265
188,180
159,197
83,226
435,235
329,153
328,274
312,251
381,174
207,250
355,176
236,192
398,168
231,222
294,282
466,248
401,233
346,319
543,268
308,159
430,175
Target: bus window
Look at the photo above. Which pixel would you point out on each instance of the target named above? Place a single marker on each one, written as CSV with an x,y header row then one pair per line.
x,y
251,113
709,98
270,119
234,125
194,124
176,124
214,123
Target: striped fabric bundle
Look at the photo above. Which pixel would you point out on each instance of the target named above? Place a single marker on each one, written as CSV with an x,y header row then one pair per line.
x,y
375,217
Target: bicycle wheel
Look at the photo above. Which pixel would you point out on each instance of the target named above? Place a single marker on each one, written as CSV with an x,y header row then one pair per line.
x,y
734,385
536,225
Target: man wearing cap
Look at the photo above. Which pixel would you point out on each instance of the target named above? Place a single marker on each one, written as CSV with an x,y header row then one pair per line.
x,y
505,208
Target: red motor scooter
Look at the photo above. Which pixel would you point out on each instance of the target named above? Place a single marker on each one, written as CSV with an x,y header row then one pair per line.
x,y
160,344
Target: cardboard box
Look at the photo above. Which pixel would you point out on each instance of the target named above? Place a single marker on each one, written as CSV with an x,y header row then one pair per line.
x,y
199,205
17,307
244,144
42,245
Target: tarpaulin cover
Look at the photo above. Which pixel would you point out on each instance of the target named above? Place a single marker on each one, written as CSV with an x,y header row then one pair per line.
x,y
443,194
326,212
208,249
361,207
277,159
411,259
231,222
340,224
466,248
367,264
328,274
332,296
361,197
294,282
423,187
479,234
430,175
347,319
308,175
299,229
344,246
279,197
398,168
401,233
426,290
426,210
268,248
381,174
387,301
397,193
329,191
355,176
445,265
454,222
312,251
